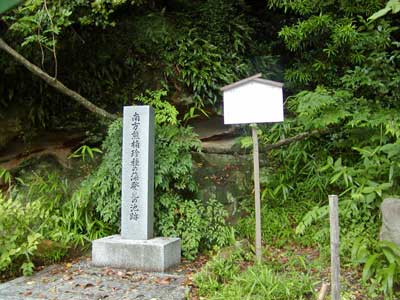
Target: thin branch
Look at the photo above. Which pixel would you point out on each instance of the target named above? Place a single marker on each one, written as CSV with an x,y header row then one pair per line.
x,y
299,137
268,147
40,45
55,83
54,40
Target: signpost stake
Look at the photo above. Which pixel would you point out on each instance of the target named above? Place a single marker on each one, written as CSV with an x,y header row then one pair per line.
x,y
250,101
257,192
335,259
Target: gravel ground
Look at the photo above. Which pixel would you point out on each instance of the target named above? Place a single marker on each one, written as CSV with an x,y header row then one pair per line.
x,y
80,280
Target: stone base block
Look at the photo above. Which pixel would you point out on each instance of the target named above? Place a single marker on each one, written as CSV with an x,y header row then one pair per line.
x,y
156,254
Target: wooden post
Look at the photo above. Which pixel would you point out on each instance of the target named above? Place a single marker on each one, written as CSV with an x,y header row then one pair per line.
x,y
335,259
257,192
323,291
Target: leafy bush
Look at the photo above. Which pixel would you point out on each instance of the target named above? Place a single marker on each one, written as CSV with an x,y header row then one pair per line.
x,y
381,262
41,219
177,212
18,241
172,168
277,225
202,68
200,226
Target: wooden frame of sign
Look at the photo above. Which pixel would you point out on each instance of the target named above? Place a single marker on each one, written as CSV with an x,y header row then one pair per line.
x,y
250,101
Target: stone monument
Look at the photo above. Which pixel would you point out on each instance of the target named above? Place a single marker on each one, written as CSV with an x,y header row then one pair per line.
x,y
135,247
390,230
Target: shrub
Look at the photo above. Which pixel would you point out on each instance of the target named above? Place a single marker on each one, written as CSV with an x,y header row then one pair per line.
x,y
381,262
41,220
177,212
18,241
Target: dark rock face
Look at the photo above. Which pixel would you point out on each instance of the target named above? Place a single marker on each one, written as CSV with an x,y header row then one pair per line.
x,y
9,129
226,178
390,230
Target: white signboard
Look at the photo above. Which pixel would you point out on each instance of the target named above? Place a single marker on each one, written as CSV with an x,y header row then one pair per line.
x,y
253,101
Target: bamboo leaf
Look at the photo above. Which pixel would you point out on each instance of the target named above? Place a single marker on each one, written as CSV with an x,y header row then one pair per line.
x,y
7,4
368,268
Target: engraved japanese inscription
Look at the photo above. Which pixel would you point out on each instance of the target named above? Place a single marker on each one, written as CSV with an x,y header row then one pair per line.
x,y
137,173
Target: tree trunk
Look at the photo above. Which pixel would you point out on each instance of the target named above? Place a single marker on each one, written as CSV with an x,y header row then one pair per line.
x,y
55,83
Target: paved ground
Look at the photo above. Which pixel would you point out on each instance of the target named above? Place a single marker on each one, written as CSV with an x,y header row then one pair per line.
x,y
82,281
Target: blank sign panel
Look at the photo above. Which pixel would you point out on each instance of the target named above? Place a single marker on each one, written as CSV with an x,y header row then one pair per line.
x,y
253,102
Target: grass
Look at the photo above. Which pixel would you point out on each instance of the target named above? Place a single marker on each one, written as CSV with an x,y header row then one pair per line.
x,y
293,267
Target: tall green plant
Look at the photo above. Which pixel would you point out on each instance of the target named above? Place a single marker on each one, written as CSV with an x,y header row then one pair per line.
x,y
42,219
381,262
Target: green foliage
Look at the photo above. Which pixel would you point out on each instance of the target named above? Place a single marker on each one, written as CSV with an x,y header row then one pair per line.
x,y
284,274
308,7
40,21
85,152
112,51
41,219
7,4
288,272
104,186
329,40
392,6
5,176
17,240
180,218
381,262
200,226
177,212
344,72
362,187
278,225
172,168
197,64
166,112
173,160
260,282
221,269
199,61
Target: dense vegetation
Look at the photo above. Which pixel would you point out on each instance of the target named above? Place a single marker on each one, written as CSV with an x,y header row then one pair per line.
x,y
342,84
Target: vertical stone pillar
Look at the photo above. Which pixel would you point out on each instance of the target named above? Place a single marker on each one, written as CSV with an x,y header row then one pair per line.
x,y
137,173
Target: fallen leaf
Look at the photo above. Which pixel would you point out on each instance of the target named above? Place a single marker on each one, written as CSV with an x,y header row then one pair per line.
x,y
27,293
164,280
